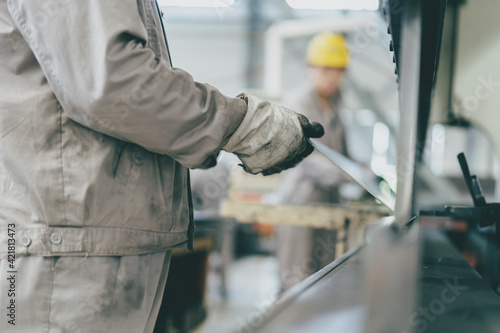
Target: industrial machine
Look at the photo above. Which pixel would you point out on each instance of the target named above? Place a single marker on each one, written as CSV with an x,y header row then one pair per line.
x,y
411,274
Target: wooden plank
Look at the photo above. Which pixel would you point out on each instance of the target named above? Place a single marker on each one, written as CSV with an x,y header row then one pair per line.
x,y
328,217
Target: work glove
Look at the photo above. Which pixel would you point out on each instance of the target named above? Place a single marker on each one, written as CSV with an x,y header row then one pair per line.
x,y
271,138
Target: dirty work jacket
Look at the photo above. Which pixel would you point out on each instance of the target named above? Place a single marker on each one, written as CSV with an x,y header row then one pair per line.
x,y
97,130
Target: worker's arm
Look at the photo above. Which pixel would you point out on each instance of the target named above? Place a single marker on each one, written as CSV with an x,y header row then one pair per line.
x,y
95,58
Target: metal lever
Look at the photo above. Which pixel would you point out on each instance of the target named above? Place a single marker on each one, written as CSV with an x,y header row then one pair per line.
x,y
472,182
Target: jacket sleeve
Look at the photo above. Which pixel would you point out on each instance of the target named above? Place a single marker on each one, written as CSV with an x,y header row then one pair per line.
x,y
95,57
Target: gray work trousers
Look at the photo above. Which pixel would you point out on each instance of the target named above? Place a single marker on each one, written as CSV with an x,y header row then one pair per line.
x,y
79,295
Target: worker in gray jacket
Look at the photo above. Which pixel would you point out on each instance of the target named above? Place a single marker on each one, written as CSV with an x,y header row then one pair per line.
x,y
97,132
304,250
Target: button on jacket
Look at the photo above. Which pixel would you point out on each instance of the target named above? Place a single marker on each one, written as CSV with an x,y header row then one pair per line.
x,y
97,131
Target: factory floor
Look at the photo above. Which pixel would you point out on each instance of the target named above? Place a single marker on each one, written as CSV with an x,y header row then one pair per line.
x,y
252,285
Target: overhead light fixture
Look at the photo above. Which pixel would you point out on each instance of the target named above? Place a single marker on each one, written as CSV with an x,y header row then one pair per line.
x,y
334,4
196,3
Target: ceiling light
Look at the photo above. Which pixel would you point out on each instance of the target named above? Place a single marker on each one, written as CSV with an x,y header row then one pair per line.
x,y
196,3
334,4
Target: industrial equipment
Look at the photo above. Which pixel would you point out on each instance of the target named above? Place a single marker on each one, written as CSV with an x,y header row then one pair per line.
x,y
407,276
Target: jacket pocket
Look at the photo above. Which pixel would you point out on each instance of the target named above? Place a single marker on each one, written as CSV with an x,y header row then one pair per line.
x,y
123,162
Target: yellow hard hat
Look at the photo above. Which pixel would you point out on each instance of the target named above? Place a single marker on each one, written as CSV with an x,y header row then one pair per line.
x,y
327,50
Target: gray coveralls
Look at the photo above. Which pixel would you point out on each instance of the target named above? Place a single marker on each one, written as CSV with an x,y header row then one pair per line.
x,y
303,250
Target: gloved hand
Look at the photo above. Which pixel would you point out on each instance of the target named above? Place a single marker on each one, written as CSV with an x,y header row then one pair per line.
x,y
271,138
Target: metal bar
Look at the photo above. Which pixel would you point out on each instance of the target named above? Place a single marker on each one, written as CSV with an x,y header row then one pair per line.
x,y
356,172
409,77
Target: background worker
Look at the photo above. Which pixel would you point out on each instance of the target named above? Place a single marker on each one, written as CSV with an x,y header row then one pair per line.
x,y
97,132
302,250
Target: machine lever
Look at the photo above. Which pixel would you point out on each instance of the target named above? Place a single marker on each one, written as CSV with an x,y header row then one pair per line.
x,y
472,182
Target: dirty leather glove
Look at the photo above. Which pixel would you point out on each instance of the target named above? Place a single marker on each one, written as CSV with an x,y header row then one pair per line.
x,y
271,138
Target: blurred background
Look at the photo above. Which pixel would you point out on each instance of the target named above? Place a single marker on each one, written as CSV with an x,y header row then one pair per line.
x,y
259,47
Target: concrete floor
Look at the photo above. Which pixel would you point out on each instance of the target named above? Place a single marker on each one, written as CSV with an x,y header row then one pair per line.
x,y
252,285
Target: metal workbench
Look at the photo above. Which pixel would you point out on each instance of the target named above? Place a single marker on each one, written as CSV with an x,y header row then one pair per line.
x,y
451,296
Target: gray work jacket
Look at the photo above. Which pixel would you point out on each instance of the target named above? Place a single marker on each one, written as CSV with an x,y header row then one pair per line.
x,y
315,179
97,130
